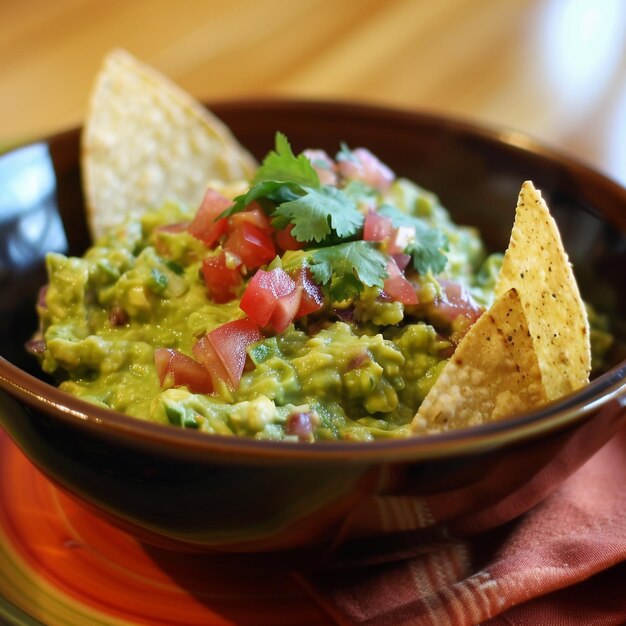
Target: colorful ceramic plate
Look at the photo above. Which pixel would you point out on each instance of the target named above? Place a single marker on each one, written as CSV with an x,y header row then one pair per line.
x,y
60,564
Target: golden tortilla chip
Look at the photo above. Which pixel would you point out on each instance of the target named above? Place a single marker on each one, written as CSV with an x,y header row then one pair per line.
x,y
493,373
146,141
537,266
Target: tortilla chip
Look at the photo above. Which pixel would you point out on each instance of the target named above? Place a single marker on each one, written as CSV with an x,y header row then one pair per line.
x,y
494,373
146,141
537,265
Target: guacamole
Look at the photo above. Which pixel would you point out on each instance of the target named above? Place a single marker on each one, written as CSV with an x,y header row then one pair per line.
x,y
318,301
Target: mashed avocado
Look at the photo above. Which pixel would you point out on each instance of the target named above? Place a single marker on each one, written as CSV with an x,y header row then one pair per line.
x,y
392,286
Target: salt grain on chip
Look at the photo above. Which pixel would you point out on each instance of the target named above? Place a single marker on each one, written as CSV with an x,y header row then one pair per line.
x,y
146,141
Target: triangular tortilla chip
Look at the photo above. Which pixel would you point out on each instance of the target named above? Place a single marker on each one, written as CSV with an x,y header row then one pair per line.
x,y
493,373
146,141
537,265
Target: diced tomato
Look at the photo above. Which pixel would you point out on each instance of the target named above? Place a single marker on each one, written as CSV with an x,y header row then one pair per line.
x,y
251,244
206,354
223,351
456,300
262,293
402,260
376,227
179,370
379,227
286,308
222,276
258,300
400,238
286,241
312,299
205,225
252,215
266,292
397,287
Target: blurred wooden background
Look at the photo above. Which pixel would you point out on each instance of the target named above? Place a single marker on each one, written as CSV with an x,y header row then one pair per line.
x,y
555,69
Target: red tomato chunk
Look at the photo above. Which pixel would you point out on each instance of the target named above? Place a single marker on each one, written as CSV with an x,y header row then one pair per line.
x,y
223,351
400,238
397,287
286,241
222,276
251,244
376,227
179,370
205,225
312,298
254,216
271,298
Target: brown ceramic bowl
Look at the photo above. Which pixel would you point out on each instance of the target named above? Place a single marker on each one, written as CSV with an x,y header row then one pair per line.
x,y
195,491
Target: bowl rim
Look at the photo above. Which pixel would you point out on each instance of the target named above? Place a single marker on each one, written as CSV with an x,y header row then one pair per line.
x,y
38,394
607,388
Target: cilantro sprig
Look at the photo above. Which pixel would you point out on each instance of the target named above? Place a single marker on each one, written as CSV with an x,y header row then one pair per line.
x,y
328,221
290,190
281,164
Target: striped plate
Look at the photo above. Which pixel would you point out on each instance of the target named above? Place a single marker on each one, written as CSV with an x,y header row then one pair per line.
x,y
60,564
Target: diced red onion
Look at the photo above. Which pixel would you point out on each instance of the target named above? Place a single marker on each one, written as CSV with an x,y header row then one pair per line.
x,y
36,346
345,315
300,425
118,316
41,297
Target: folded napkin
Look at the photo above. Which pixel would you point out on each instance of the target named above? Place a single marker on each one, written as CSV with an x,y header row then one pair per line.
x,y
563,562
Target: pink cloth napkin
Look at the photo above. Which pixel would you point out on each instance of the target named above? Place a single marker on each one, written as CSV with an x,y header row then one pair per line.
x,y
563,562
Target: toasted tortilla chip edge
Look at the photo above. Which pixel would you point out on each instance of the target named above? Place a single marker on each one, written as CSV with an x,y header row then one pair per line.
x,y
450,397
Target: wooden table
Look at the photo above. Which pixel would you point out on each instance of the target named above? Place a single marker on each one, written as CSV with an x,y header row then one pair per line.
x,y
555,69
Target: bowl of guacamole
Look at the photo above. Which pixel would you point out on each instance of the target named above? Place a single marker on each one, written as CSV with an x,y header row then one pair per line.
x,y
242,374
318,302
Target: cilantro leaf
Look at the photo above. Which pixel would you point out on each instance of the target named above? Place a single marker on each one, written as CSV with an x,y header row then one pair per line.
x,y
347,267
428,248
280,178
360,193
318,212
426,251
275,191
281,164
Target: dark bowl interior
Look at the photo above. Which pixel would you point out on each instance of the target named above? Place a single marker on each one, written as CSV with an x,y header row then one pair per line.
x,y
477,173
